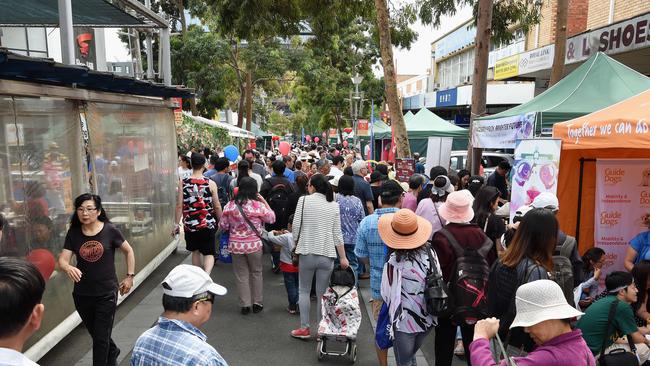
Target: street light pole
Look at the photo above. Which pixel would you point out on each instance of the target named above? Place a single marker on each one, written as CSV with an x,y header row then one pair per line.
x,y
356,106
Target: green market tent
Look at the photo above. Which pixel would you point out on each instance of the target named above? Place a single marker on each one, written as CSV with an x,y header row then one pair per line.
x,y
596,84
421,126
425,124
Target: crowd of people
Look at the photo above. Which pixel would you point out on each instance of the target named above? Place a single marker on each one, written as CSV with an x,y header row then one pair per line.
x,y
439,252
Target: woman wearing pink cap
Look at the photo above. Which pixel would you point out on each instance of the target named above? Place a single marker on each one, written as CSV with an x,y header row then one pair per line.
x,y
457,212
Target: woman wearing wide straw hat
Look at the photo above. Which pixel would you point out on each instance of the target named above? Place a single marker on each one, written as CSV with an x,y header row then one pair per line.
x,y
544,313
402,283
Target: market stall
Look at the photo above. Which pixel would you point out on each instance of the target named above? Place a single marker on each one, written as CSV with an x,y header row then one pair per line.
x,y
596,84
604,178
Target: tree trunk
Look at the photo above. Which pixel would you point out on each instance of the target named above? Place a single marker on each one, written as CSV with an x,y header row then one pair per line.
x,y
240,109
479,84
557,72
249,101
386,50
181,15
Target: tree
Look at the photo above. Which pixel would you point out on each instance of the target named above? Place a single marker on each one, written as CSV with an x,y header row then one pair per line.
x,y
386,48
494,21
557,71
198,61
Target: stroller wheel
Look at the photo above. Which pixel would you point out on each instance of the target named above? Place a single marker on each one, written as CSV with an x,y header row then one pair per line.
x,y
352,355
319,350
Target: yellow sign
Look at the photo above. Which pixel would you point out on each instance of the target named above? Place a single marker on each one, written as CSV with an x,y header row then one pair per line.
x,y
506,68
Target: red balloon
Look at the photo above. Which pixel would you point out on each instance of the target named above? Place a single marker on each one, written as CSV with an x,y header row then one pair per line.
x,y
284,148
43,259
316,139
307,138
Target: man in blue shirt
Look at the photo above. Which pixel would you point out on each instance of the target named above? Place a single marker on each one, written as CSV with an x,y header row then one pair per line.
x,y
371,248
419,167
288,170
188,295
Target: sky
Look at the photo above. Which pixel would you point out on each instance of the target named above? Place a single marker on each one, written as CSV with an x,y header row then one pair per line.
x,y
417,60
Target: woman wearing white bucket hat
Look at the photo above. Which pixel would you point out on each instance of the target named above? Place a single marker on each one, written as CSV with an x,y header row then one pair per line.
x,y
544,313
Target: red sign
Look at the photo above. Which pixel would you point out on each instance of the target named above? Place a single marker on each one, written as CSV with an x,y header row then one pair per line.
x,y
404,169
362,127
180,104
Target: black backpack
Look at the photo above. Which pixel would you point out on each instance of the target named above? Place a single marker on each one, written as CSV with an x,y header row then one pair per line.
x,y
563,269
469,281
223,188
278,199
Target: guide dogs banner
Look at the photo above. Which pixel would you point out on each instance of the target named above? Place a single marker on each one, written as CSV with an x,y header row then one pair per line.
x,y
622,203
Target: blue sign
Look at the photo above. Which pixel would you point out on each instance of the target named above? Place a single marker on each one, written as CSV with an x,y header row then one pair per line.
x,y
446,98
461,120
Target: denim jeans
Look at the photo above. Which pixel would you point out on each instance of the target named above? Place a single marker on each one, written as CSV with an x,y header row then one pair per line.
x,y
291,284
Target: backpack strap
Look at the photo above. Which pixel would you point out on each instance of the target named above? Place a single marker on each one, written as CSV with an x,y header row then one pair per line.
x,y
453,242
567,246
608,328
485,247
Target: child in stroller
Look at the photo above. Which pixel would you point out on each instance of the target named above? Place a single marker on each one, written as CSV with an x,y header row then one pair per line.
x,y
341,316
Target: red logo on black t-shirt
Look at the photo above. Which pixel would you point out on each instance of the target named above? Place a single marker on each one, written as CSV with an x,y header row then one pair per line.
x,y
91,251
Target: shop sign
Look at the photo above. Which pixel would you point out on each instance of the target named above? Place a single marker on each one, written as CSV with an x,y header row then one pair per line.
x,y
535,60
85,47
503,133
404,169
506,68
622,201
620,37
362,127
446,98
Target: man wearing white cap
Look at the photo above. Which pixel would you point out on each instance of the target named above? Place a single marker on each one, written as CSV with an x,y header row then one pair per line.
x,y
545,314
188,295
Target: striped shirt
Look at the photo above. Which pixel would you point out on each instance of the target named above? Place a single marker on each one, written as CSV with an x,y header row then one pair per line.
x,y
174,342
317,230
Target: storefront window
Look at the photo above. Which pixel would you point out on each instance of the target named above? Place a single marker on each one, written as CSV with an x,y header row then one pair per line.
x,y
41,169
134,164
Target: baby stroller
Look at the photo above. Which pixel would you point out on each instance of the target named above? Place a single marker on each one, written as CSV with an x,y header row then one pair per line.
x,y
338,328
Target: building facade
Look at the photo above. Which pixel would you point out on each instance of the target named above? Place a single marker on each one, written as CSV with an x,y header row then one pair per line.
x,y
620,29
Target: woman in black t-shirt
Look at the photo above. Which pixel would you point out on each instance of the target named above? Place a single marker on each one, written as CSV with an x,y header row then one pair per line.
x,y
485,204
93,240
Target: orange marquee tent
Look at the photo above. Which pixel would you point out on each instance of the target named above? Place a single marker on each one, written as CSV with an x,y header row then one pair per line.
x,y
621,131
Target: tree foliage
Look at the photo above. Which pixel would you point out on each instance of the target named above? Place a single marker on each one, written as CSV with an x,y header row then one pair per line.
x,y
506,15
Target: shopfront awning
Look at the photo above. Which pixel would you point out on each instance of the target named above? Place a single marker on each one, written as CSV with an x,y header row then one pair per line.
x,y
233,131
47,71
91,13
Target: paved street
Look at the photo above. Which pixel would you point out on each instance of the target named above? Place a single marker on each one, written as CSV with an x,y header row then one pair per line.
x,y
255,339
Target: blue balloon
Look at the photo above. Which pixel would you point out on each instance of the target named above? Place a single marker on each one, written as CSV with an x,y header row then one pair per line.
x,y
231,152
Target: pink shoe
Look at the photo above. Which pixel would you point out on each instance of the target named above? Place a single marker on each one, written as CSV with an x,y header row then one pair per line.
x,y
301,333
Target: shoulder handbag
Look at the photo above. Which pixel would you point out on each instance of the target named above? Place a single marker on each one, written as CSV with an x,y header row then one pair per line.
x,y
295,257
436,295
617,357
263,236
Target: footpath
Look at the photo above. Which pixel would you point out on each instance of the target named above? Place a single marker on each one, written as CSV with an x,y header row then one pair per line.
x,y
254,339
